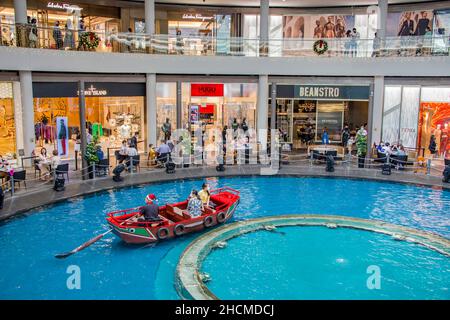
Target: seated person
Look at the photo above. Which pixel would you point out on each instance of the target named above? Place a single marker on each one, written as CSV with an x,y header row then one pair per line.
x,y
195,205
150,212
123,152
163,151
205,196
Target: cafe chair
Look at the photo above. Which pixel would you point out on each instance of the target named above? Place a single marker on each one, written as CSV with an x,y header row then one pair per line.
x,y
19,177
37,170
102,168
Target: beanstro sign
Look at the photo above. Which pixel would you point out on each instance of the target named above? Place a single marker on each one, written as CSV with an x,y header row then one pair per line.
x,y
319,92
207,90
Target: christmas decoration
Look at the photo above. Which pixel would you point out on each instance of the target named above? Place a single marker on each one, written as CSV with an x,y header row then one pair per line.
x,y
320,47
89,40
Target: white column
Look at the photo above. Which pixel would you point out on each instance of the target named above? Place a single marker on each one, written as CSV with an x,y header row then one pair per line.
x,y
150,16
262,109
151,108
264,24
26,97
377,109
382,18
20,11
18,115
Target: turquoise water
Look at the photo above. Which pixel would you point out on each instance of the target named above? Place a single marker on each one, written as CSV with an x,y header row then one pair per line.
x,y
319,263
112,270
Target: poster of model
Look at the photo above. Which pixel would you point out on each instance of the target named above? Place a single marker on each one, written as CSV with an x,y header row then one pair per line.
x,y
409,23
317,26
442,22
62,133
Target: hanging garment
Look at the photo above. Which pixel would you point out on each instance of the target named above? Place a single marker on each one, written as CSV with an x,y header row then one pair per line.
x,y
97,130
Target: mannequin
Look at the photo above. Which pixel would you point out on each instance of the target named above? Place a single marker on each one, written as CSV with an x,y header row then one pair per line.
x,y
444,139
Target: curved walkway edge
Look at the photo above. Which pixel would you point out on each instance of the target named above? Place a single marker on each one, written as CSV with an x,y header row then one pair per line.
x,y
188,277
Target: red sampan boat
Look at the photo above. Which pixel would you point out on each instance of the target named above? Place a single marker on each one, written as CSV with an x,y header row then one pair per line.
x,y
175,221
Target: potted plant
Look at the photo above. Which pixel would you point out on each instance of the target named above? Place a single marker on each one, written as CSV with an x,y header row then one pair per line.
x,y
91,157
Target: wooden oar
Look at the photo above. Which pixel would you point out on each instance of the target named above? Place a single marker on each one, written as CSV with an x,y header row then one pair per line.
x,y
87,243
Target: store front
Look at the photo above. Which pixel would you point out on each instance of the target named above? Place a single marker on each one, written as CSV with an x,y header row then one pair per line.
x,y
216,105
412,115
7,121
99,19
114,112
304,112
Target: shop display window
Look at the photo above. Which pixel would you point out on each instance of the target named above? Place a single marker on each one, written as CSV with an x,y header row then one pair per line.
x,y
110,119
166,107
7,121
330,117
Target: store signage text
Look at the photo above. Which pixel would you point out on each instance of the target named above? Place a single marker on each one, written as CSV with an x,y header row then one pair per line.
x,y
92,91
197,16
207,89
63,6
319,92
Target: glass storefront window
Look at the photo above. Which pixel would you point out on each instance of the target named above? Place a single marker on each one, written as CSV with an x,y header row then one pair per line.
x,y
7,121
166,106
391,113
111,119
330,117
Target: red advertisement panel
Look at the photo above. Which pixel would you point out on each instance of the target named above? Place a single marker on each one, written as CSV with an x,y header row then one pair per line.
x,y
207,90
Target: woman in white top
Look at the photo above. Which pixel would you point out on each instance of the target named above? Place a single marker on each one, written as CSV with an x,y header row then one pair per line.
x,y
44,163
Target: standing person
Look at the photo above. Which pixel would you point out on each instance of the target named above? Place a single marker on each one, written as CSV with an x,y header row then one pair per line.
x,y
432,146
57,35
361,146
33,35
88,136
345,136
235,127
355,38
376,46
179,43
151,159
347,43
134,140
69,40
167,129
325,139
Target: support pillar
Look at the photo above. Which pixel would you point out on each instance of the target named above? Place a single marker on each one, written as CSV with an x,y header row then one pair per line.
x,y
151,108
376,113
150,16
20,17
26,97
262,110
382,18
82,109
264,27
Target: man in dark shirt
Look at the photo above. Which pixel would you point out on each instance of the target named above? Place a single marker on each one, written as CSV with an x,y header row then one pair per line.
x,y
150,212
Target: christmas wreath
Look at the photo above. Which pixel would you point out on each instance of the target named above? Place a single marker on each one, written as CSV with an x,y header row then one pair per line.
x,y
89,40
320,47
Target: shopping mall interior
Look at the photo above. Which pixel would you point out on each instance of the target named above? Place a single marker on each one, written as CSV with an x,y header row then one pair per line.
x,y
256,136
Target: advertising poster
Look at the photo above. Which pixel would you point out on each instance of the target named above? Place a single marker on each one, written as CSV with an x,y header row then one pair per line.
x,y
195,113
317,26
409,23
62,134
442,22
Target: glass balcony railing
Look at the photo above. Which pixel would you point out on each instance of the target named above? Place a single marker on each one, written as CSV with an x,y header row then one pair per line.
x,y
23,35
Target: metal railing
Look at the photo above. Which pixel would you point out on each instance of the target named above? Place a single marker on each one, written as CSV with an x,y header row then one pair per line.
x,y
292,161
25,35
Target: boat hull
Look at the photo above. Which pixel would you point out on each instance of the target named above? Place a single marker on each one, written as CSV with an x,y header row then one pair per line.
x,y
135,234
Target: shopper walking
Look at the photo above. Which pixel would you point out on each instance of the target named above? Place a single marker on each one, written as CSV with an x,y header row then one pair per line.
x,y
57,36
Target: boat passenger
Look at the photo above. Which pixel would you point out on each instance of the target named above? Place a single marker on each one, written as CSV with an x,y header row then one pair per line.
x,y
205,196
195,205
150,212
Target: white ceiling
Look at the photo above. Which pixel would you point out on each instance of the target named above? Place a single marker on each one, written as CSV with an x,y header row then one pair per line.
x,y
287,3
